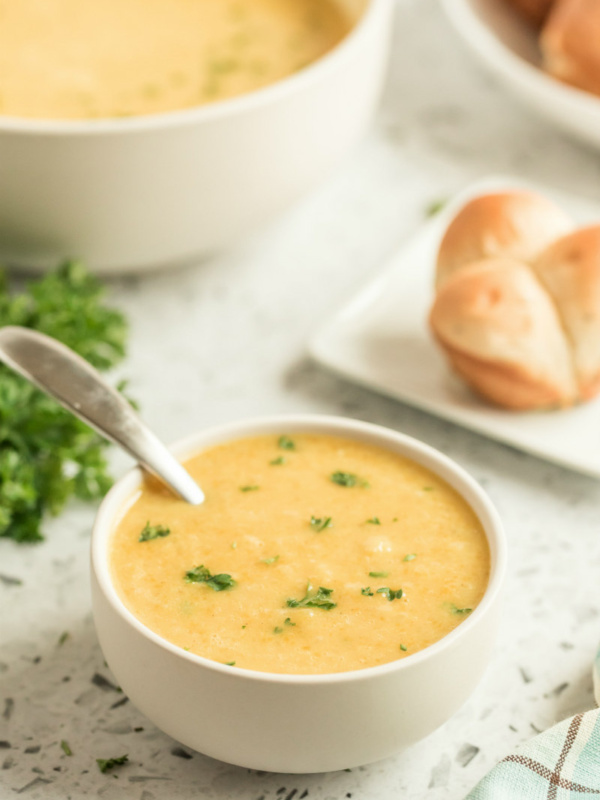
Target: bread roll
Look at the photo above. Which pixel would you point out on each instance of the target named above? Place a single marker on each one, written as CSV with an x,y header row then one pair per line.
x,y
522,330
570,43
534,11
502,333
515,225
569,270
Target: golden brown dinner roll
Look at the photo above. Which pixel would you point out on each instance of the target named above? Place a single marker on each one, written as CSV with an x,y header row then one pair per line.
x,y
520,324
502,334
534,11
570,43
516,225
569,270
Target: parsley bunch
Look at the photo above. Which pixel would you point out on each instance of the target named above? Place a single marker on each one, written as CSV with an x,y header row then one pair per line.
x,y
46,454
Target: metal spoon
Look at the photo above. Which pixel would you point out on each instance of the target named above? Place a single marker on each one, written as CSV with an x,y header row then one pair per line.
x,y
68,378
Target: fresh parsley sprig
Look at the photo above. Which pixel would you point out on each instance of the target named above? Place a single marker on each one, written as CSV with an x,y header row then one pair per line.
x,y
46,454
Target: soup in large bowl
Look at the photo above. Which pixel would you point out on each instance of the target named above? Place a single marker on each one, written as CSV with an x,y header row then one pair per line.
x,y
67,59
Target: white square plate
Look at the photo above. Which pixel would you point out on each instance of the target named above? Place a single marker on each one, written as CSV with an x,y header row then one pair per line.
x,y
381,340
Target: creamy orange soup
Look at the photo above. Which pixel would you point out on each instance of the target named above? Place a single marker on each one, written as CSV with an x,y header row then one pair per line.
x,y
310,554
62,59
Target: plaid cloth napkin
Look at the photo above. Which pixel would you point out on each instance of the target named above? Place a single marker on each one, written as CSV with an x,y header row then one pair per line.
x,y
563,763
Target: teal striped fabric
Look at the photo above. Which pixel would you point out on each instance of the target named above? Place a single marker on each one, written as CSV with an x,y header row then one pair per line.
x,y
562,763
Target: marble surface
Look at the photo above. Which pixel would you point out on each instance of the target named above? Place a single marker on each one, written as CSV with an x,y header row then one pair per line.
x,y
226,339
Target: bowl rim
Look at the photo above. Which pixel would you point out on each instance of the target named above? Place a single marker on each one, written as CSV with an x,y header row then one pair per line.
x,y
484,41
115,504
210,112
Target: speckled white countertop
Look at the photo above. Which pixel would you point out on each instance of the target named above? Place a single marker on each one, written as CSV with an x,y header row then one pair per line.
x,y
225,340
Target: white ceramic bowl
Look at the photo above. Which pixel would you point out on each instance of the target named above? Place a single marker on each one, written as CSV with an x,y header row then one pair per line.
x,y
297,723
509,50
128,194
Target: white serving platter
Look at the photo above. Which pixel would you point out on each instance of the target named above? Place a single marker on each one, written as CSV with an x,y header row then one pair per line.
x,y
381,339
508,48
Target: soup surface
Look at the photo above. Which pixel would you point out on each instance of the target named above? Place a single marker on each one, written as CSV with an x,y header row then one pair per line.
x,y
77,59
310,554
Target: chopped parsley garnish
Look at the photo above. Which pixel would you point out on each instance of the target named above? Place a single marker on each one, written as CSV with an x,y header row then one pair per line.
x,y
455,610
249,488
229,663
409,557
319,599
277,462
391,594
435,206
151,91
428,488
277,629
347,479
285,443
367,591
320,523
106,764
64,745
223,66
374,521
404,648
288,621
218,582
378,574
153,532
47,455
271,560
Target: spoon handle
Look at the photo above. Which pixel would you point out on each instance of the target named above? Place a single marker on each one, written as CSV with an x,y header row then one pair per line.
x,y
68,378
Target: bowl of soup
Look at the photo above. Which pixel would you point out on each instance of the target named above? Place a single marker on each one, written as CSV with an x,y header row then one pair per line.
x,y
334,599
137,134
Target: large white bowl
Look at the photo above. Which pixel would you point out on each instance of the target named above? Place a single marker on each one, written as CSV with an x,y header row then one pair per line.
x,y
297,723
127,194
509,49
